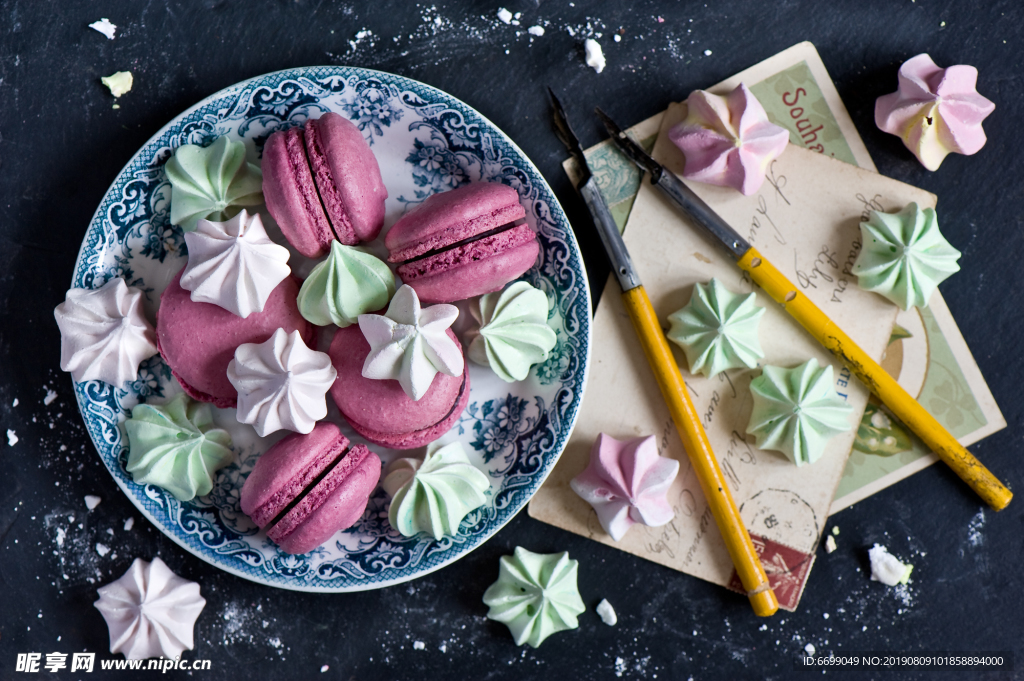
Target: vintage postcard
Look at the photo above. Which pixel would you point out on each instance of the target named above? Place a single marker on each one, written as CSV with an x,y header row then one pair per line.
x,y
805,219
798,94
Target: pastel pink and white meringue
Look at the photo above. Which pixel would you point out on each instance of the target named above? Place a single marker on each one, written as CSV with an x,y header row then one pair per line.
x,y
410,343
935,111
150,611
103,333
728,141
627,482
233,264
281,383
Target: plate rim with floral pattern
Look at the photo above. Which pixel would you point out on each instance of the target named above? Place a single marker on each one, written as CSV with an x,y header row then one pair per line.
x,y
131,231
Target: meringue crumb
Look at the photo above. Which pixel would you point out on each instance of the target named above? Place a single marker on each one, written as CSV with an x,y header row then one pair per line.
x,y
830,544
324,668
119,83
51,395
129,524
92,501
707,53
105,27
12,439
809,649
102,549
536,30
835,530
504,15
594,55
887,568
617,38
419,645
607,613
15,402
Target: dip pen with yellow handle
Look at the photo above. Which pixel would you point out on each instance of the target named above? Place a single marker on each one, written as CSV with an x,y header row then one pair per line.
x,y
817,323
673,389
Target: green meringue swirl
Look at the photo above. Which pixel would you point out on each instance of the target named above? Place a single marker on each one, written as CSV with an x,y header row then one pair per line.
x,y
797,411
350,282
718,329
514,333
176,447
212,182
535,595
904,256
434,495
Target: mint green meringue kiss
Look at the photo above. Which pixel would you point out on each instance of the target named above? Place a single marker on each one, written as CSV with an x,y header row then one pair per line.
x,y
535,595
904,256
797,411
514,333
212,182
434,495
718,329
175,446
350,282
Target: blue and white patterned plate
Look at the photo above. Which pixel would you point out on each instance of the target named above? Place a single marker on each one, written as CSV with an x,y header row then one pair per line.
x,y
425,141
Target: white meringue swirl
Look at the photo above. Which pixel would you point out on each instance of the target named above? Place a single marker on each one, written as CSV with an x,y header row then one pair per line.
x,y
150,611
103,333
234,264
411,344
281,383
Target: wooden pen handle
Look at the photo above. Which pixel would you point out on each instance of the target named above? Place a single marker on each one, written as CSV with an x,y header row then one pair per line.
x,y
695,441
892,395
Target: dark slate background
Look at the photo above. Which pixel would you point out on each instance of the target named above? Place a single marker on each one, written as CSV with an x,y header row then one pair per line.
x,y
61,144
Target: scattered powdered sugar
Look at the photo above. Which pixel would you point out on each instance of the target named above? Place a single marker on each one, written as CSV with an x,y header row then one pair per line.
x,y
105,27
620,666
92,501
607,613
12,438
974,535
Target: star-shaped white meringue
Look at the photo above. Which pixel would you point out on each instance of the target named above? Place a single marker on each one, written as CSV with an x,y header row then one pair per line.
x,y
150,611
103,333
411,344
281,383
234,264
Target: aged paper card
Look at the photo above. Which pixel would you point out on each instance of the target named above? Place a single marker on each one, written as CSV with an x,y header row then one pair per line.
x,y
805,220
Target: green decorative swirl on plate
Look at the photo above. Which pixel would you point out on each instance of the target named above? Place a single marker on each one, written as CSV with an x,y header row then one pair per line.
x,y
176,447
435,494
514,333
350,282
212,182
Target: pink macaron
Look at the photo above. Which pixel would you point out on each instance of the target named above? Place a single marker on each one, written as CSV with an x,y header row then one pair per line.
x,y
380,411
198,340
307,487
323,183
463,243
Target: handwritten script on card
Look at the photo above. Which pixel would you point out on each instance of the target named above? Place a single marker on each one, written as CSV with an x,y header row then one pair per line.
x,y
805,219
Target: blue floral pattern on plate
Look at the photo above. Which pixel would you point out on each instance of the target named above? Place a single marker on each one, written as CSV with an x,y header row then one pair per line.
x,y
425,141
